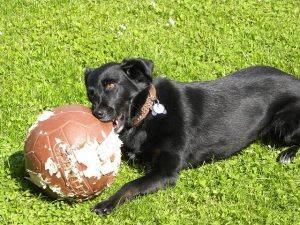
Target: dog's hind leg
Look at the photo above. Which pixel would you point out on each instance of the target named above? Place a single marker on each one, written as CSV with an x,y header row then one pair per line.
x,y
292,140
288,155
287,128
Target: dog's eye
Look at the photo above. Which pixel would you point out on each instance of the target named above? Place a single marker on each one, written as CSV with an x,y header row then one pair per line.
x,y
110,86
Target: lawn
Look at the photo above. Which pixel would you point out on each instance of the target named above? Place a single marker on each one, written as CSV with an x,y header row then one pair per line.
x,y
44,47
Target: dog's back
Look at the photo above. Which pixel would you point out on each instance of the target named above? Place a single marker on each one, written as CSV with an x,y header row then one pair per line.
x,y
224,116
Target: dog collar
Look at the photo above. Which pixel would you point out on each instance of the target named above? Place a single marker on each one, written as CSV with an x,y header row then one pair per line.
x,y
152,104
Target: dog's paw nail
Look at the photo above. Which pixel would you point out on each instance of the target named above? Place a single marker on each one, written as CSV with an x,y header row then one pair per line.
x,y
286,157
285,160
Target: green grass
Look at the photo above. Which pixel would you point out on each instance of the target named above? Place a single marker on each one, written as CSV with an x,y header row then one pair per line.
x,y
44,46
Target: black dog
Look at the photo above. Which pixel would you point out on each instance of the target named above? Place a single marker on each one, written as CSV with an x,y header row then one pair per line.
x,y
169,126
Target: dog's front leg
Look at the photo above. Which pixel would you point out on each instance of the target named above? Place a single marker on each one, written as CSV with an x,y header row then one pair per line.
x,y
163,175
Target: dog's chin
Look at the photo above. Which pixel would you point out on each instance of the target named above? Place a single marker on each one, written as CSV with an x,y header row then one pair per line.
x,y
119,123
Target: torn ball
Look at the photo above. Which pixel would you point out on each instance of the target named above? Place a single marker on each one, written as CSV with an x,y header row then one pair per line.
x,y
70,154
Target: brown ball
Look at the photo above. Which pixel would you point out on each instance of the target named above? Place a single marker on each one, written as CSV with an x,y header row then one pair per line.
x,y
70,154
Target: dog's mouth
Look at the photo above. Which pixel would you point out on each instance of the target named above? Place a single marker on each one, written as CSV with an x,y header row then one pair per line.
x,y
118,123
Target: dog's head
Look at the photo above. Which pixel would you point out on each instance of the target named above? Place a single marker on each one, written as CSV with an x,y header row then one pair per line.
x,y
112,87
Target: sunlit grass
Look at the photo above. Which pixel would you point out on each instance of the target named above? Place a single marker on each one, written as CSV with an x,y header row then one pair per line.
x,y
44,47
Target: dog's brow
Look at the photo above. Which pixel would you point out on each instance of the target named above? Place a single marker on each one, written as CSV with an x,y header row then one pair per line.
x,y
128,78
108,79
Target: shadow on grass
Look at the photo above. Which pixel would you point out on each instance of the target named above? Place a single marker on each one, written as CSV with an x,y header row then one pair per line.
x,y
16,165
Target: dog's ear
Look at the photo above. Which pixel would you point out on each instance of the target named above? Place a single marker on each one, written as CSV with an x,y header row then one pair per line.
x,y
87,72
138,69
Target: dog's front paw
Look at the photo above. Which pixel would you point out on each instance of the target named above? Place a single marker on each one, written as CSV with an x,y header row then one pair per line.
x,y
105,207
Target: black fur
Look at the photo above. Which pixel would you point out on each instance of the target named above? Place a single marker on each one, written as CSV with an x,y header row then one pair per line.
x,y
205,121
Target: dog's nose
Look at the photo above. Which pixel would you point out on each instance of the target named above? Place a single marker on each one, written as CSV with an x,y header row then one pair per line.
x,y
101,114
